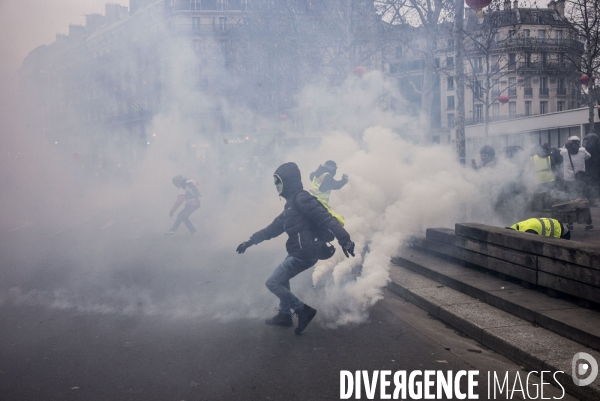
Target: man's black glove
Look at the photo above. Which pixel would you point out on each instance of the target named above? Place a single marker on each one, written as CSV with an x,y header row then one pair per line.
x,y
348,248
243,246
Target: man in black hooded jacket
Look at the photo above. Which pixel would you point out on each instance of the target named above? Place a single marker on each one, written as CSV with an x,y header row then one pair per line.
x,y
302,216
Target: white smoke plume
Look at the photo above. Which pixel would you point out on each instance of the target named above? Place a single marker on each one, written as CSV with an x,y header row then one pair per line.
x,y
397,187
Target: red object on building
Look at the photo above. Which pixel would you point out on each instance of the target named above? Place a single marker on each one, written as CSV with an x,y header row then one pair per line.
x,y
584,79
478,4
283,117
359,71
503,99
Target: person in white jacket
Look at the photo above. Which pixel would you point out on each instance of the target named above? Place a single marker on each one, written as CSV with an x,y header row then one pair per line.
x,y
574,157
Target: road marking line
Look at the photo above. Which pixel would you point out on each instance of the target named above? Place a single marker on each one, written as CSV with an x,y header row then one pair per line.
x,y
28,224
110,223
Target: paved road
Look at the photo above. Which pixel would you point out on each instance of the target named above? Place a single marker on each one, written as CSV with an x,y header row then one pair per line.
x,y
113,311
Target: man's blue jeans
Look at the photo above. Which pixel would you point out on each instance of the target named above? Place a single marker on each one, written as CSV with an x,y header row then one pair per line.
x,y
279,282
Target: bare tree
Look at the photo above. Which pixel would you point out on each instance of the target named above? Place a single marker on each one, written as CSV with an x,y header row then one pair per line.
x,y
492,50
282,46
430,17
585,17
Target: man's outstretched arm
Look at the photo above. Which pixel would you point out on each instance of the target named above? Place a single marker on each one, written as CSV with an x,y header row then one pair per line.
x,y
271,231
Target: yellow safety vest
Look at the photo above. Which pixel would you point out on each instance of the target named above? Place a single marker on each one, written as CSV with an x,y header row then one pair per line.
x,y
543,171
542,226
315,188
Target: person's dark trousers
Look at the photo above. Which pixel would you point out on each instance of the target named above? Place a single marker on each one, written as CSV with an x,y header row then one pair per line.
x,y
279,282
184,217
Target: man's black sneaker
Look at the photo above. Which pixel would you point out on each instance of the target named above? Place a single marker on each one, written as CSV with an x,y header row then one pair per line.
x,y
281,319
305,315
589,227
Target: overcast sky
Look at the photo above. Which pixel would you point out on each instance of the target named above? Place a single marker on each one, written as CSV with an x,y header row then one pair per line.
x,y
27,24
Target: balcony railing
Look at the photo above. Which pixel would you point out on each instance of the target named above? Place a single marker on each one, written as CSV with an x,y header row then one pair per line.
x,y
561,91
512,92
528,91
570,44
544,91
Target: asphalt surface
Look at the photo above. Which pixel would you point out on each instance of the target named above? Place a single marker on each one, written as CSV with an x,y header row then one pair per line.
x,y
107,308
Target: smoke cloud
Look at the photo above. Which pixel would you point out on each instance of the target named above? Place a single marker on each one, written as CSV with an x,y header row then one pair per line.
x,y
118,262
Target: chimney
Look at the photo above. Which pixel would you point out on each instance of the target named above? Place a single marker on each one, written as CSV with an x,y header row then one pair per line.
x,y
516,4
506,4
93,22
76,31
560,8
114,12
552,5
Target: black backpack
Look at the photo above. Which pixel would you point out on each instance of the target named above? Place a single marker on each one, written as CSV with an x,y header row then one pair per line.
x,y
321,247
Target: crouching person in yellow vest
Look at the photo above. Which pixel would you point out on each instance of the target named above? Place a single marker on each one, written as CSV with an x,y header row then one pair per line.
x,y
543,226
322,182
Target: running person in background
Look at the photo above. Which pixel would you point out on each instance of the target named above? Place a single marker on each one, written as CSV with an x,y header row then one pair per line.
x,y
188,192
322,182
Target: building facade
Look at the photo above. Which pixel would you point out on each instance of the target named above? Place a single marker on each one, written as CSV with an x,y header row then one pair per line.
x,y
519,63
100,85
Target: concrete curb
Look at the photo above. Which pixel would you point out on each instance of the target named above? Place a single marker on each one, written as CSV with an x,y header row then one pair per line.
x,y
532,347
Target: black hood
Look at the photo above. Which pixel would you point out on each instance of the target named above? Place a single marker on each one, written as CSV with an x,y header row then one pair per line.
x,y
289,173
322,170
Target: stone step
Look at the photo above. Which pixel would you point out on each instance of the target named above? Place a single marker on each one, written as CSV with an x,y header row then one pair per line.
x,y
564,318
533,347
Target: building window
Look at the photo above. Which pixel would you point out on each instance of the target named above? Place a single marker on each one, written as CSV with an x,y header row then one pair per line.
x,y
541,34
195,5
478,113
450,117
561,89
512,61
222,24
196,24
495,67
559,36
478,90
477,65
450,82
450,102
543,107
528,60
398,52
222,5
512,86
543,85
512,35
560,106
449,61
234,5
495,109
526,33
544,59
512,109
528,107
209,5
